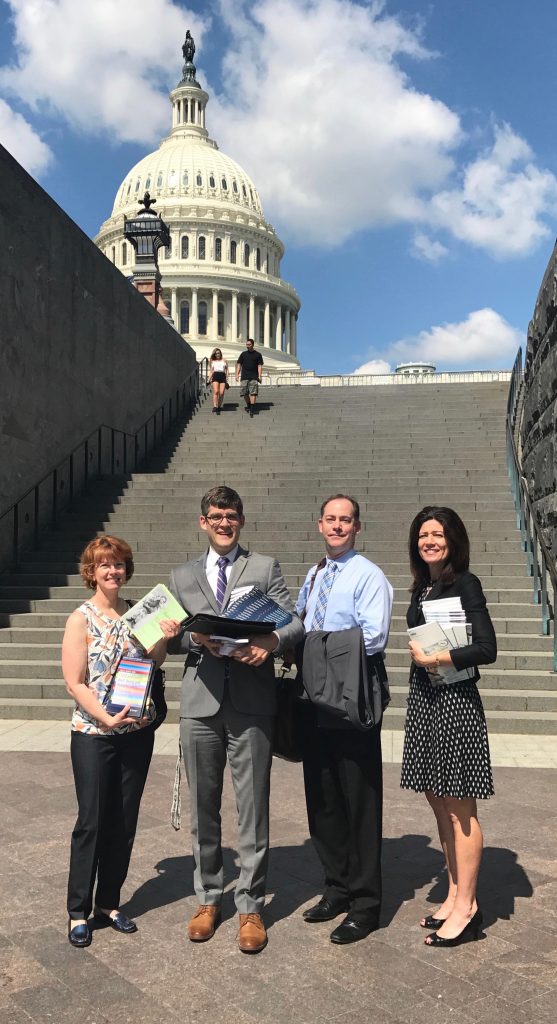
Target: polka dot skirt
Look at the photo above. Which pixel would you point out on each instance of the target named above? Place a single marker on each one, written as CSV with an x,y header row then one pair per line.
x,y
446,749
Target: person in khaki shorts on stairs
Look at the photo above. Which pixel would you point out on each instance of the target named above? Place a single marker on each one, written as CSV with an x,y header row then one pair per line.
x,y
227,711
250,365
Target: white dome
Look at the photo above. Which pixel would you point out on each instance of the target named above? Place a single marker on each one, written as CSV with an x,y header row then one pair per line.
x,y
191,169
220,274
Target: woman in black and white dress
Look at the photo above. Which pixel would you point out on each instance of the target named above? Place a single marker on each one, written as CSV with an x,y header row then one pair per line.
x,y
446,750
219,378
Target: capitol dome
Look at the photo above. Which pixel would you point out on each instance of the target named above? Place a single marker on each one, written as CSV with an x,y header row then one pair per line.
x,y
221,272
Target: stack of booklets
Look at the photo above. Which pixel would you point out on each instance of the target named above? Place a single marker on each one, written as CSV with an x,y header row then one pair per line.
x,y
445,628
255,605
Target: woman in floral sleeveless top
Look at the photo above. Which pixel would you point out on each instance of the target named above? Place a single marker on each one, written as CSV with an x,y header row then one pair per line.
x,y
110,754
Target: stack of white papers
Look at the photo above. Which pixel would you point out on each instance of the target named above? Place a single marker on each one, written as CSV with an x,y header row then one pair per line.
x,y
445,628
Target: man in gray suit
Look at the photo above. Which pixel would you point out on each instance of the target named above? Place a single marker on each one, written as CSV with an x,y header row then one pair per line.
x,y
227,709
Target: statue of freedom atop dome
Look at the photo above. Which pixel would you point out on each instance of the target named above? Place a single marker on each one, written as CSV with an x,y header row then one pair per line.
x,y
188,49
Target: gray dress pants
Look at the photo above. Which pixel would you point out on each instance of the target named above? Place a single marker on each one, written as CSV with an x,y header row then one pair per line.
x,y
247,742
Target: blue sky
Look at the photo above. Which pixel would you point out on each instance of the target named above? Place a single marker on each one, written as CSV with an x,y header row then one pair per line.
x,y
406,152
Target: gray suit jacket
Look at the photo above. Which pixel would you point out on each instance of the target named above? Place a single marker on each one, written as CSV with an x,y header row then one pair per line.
x,y
252,690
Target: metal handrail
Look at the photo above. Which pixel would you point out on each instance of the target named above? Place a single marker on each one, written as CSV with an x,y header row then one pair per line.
x,y
540,562
107,451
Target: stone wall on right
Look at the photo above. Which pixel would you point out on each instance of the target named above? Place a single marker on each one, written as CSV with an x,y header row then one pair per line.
x,y
539,422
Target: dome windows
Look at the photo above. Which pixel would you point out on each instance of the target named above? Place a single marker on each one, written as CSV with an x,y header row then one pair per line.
x,y
199,179
185,318
124,254
212,181
224,184
233,248
244,193
185,247
235,186
172,179
159,180
148,182
201,247
218,249
129,188
220,320
258,258
246,255
185,179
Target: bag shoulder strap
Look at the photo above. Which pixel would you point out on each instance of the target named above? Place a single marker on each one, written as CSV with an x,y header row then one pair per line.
x,y
320,565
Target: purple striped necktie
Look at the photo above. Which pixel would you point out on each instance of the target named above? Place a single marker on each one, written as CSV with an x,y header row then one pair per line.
x,y
222,562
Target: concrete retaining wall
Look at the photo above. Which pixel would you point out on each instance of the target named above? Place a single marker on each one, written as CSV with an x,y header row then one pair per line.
x,y
79,347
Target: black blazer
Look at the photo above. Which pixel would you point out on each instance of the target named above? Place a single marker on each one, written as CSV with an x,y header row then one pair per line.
x,y
483,649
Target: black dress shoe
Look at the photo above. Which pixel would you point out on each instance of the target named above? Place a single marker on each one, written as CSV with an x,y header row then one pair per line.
x,y
470,933
79,936
432,922
120,923
325,910
351,930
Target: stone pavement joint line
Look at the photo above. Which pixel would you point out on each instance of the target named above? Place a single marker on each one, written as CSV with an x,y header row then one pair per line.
x,y
507,750
158,977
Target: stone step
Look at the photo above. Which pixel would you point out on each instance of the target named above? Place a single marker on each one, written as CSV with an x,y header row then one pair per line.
x,y
156,483
26,635
527,642
303,508
530,660
14,668
501,700
293,573
59,709
508,629
495,595
513,609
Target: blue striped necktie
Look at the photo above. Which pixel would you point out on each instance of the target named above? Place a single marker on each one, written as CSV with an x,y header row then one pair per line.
x,y
323,596
222,562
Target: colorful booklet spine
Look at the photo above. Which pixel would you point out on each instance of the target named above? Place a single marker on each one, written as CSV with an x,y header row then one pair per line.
x,y
131,685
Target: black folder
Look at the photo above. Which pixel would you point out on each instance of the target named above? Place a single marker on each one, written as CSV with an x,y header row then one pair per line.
x,y
220,626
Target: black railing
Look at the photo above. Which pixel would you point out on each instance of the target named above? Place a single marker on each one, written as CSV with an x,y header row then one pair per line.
x,y
540,562
107,451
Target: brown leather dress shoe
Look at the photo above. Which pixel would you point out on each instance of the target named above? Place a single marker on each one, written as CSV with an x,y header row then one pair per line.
x,y
203,923
252,937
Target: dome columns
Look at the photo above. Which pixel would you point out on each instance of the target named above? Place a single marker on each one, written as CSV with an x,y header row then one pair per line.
x,y
227,315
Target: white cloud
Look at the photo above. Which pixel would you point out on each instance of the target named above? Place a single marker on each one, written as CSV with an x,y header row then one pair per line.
x,y
100,65
19,138
375,366
426,248
316,106
502,201
319,112
483,340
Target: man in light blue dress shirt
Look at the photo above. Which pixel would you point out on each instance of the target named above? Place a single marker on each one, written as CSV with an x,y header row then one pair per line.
x,y
343,766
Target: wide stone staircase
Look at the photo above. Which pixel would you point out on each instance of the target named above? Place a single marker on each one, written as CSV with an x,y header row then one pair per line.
x,y
395,449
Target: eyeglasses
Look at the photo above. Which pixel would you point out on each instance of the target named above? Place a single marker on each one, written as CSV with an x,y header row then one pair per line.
x,y
217,517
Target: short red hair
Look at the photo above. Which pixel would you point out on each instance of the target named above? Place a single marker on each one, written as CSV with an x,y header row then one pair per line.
x,y
100,548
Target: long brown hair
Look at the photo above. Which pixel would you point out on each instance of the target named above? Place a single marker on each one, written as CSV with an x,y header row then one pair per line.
x,y
457,542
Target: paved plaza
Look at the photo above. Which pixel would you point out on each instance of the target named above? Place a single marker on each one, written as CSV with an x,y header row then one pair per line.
x,y
157,975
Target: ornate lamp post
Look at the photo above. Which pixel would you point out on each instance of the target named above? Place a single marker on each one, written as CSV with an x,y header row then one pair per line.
x,y
148,233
